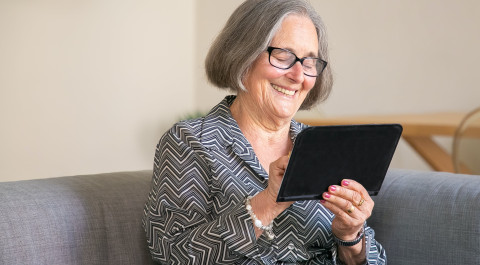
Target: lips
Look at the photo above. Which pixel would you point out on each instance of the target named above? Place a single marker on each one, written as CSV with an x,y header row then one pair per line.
x,y
283,90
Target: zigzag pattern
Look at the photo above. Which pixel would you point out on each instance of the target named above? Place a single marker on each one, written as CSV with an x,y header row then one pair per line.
x,y
195,214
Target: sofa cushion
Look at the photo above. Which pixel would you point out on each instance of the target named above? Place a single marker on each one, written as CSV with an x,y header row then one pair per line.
x,y
94,219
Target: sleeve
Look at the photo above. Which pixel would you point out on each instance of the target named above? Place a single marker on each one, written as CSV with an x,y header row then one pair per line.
x,y
177,217
375,253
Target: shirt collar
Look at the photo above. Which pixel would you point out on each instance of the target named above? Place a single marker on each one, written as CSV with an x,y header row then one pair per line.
x,y
220,128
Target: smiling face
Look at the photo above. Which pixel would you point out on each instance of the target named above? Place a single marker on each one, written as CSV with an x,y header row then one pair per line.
x,y
278,93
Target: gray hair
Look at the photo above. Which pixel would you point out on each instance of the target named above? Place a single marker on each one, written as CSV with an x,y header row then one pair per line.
x,y
248,32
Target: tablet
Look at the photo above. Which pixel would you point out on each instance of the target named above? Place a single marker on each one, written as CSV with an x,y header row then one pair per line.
x,y
324,155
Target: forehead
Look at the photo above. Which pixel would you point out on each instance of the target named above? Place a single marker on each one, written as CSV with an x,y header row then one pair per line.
x,y
297,34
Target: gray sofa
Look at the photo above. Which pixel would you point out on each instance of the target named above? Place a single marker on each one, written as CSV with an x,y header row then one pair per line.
x,y
419,217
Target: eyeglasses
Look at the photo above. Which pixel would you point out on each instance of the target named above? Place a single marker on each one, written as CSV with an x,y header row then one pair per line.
x,y
285,59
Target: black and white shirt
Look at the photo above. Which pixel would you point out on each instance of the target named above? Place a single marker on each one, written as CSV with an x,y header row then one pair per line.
x,y
195,214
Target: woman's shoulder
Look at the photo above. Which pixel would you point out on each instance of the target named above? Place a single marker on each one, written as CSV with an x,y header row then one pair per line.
x,y
296,127
299,125
186,130
202,129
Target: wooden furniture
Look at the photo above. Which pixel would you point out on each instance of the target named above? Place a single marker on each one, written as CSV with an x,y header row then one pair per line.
x,y
418,130
465,148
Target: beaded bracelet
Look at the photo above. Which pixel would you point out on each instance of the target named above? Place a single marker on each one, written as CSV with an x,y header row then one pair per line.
x,y
266,228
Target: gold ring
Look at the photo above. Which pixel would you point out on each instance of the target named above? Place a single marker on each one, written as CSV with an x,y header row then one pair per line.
x,y
361,202
352,208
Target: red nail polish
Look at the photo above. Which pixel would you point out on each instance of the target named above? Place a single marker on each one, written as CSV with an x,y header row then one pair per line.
x,y
345,182
333,188
322,201
327,195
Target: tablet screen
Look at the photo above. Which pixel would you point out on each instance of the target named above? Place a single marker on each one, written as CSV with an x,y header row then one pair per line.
x,y
324,155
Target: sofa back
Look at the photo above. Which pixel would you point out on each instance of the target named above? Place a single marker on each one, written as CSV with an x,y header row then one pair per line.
x,y
94,219
419,217
428,218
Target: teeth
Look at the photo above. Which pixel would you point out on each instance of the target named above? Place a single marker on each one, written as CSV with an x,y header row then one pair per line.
x,y
284,91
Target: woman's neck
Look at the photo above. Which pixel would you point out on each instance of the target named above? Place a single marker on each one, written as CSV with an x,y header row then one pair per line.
x,y
269,137
254,122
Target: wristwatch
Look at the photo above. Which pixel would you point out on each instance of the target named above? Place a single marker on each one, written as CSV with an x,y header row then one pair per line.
x,y
349,243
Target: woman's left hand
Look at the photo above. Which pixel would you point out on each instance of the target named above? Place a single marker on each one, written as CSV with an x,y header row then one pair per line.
x,y
351,205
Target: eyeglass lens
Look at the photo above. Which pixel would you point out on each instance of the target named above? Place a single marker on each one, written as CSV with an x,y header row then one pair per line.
x,y
285,59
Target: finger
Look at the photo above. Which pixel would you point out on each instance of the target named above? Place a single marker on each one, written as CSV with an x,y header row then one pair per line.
x,y
276,171
337,211
353,185
354,197
364,202
342,207
279,165
350,195
344,224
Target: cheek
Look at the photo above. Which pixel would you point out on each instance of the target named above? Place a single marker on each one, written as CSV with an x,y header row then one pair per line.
x,y
262,74
272,73
266,71
309,83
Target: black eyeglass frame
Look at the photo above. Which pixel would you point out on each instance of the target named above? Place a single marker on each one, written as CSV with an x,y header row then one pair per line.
x,y
270,49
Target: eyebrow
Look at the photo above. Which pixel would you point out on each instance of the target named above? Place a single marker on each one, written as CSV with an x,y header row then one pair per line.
x,y
310,54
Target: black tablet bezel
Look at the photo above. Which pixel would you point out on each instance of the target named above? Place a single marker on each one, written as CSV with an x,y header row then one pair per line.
x,y
359,152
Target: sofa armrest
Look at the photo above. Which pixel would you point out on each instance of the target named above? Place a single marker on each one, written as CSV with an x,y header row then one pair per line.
x,y
428,217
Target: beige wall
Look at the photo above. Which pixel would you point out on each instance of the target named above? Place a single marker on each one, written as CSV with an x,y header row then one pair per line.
x,y
89,86
387,56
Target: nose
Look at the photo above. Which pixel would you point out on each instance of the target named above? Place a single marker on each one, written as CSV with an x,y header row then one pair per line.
x,y
296,73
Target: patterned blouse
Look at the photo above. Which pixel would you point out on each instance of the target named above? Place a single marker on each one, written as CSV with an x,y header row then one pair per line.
x,y
195,214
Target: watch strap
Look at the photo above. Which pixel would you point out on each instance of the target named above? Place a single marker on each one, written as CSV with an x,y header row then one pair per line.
x,y
357,240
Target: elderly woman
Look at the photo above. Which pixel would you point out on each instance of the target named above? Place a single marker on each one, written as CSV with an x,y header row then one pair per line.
x,y
216,178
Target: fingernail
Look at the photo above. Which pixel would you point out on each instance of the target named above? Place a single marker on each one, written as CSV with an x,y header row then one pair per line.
x,y
333,188
322,201
327,195
345,182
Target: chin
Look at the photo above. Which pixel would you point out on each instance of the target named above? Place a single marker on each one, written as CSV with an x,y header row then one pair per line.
x,y
287,113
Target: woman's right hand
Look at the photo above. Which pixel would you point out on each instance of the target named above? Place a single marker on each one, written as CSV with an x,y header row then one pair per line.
x,y
264,204
276,172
